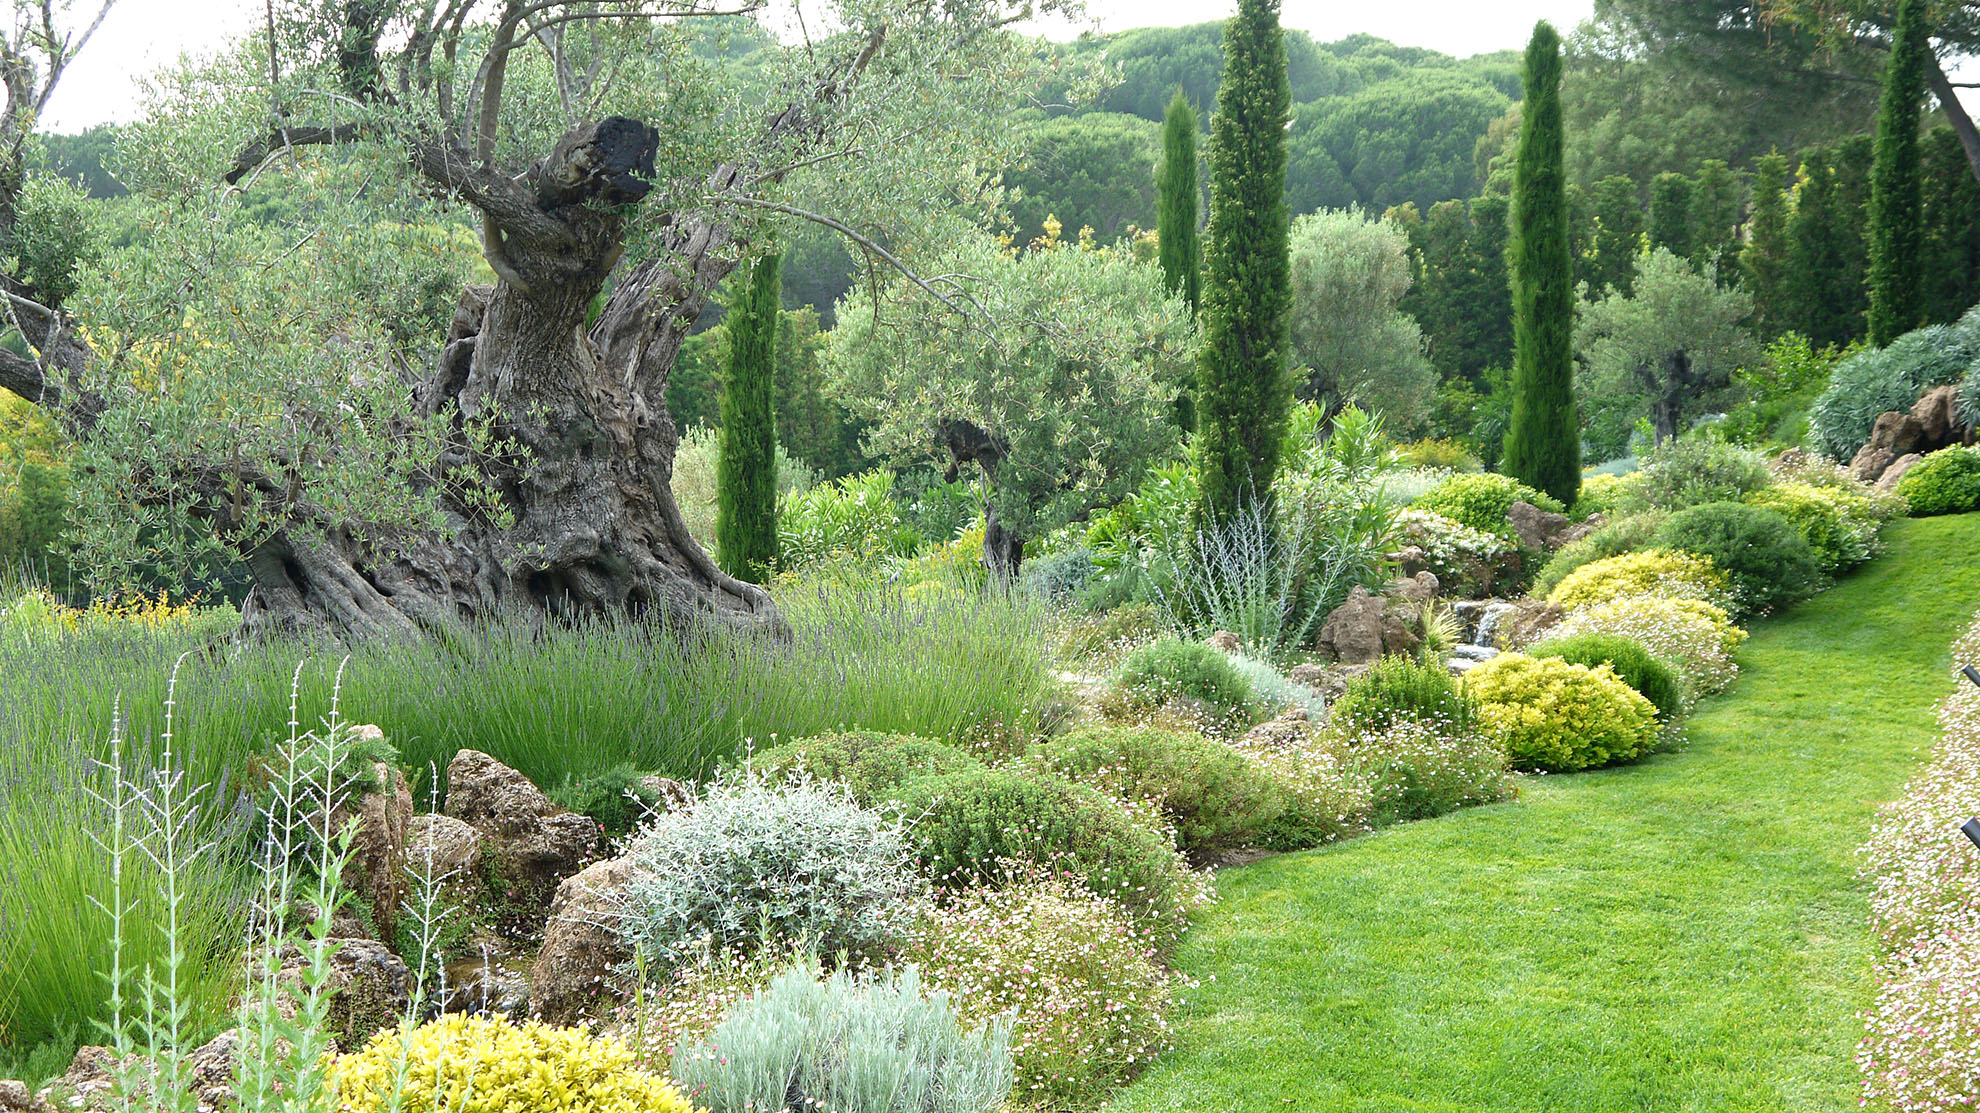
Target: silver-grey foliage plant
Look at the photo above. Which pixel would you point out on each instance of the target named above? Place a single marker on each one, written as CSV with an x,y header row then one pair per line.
x,y
753,862
848,1044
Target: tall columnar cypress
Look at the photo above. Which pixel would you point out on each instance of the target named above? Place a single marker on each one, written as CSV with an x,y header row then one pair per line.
x,y
1896,195
1543,441
1765,260
1826,244
1487,296
746,472
1618,233
1670,215
1177,192
1718,201
1244,388
1952,228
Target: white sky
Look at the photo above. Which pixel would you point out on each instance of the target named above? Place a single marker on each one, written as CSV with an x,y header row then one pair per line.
x,y
141,35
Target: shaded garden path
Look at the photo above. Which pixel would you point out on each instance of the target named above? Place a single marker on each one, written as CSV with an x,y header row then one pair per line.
x,y
1682,934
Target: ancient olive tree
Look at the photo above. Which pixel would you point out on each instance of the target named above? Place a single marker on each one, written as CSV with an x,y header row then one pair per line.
x,y
1348,275
1671,344
1056,389
309,387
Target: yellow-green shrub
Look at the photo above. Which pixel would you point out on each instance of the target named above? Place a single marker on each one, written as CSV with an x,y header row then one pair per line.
x,y
1663,573
1839,524
482,1065
1560,717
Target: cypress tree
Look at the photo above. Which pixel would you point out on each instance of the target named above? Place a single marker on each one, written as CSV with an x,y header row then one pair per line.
x,y
1717,203
1244,388
1814,252
1764,262
1618,234
1670,215
1543,441
746,471
1952,228
1175,215
1896,195
1486,298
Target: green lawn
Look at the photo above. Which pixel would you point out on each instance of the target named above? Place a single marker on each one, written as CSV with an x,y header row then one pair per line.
x,y
1681,934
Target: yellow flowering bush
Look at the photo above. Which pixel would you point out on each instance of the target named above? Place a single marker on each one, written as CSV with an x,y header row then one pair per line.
x,y
1665,573
1695,636
1560,717
36,614
1839,524
477,1064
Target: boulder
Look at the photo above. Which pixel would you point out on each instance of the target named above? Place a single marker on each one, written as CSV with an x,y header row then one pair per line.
x,y
370,987
1224,641
1410,559
452,848
90,1079
375,871
1419,588
1889,480
582,955
1325,681
484,980
1525,622
16,1098
1538,529
1289,729
1362,629
1580,530
529,843
213,1065
1937,414
671,795
1895,434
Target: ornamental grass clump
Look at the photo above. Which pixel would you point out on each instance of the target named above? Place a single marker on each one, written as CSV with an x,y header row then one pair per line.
x,y
1697,638
1921,1050
849,1044
482,1064
1559,717
1661,573
753,862
1210,794
1090,1005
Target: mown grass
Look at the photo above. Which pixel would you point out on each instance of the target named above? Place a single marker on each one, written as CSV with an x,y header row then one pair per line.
x,y
1682,934
557,704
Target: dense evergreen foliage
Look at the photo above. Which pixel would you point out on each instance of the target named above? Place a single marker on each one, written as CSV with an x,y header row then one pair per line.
x,y
1896,195
1182,250
746,477
1543,445
1244,390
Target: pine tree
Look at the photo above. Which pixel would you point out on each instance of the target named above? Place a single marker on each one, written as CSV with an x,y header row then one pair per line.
x,y
1952,228
1543,442
1618,234
1896,196
1244,387
1175,215
1764,262
746,472
1670,215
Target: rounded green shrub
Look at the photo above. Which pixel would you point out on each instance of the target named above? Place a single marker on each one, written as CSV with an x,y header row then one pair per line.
x,y
1690,471
1160,671
1558,716
1624,535
1398,689
1944,482
870,764
1657,572
1766,558
1481,500
1696,637
615,797
1839,524
1213,796
1639,669
972,827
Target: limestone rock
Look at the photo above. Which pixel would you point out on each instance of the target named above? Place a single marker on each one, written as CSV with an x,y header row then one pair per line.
x,y
672,794
1362,629
1937,414
15,1098
1889,480
213,1065
1525,622
454,846
1224,641
1419,588
370,986
376,868
1289,729
1932,424
1325,681
1537,528
1580,530
582,951
529,843
485,980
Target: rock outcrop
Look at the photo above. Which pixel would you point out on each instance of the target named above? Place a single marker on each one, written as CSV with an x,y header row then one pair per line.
x,y
578,967
1933,423
1362,629
1537,529
529,843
